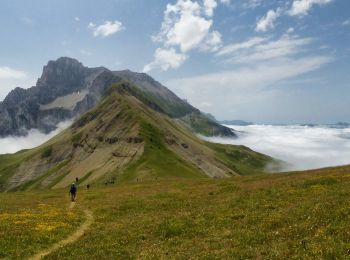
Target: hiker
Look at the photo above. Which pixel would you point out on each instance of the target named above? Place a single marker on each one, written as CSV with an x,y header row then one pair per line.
x,y
76,179
88,186
73,191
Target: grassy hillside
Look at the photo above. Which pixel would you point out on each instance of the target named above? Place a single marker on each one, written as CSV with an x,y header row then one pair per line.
x,y
202,124
126,137
282,216
157,161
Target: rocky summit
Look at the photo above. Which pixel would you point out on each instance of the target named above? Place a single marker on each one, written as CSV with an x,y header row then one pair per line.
x,y
67,89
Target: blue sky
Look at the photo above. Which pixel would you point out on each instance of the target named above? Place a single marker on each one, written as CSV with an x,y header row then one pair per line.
x,y
263,61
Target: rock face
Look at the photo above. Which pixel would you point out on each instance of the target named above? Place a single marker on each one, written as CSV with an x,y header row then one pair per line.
x,y
68,89
20,111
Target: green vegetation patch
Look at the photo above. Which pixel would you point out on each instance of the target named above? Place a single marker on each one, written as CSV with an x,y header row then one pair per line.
x,y
325,181
155,101
76,138
175,227
47,152
158,161
241,159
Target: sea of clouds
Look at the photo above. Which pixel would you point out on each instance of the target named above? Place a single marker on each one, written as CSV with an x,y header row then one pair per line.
x,y
34,138
303,147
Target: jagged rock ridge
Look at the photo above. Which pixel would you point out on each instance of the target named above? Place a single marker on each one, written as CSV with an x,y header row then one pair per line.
x,y
68,89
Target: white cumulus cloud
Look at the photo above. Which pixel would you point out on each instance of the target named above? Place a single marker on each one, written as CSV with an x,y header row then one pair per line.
x,y
268,21
298,8
165,59
209,6
302,7
184,25
188,32
106,29
212,42
187,26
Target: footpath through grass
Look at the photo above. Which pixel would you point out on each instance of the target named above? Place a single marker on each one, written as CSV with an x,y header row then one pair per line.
x,y
29,222
264,217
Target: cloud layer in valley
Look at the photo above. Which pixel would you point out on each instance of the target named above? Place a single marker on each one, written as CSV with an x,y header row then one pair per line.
x,y
34,138
303,147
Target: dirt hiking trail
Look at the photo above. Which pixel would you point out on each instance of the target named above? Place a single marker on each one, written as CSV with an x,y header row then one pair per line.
x,y
71,239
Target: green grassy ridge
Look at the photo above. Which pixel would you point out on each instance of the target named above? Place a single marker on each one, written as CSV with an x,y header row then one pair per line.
x,y
160,162
242,159
172,109
154,101
200,123
157,161
203,125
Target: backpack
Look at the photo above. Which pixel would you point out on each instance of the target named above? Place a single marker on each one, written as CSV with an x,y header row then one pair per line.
x,y
73,189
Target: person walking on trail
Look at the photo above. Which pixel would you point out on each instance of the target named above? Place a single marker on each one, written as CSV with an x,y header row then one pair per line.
x,y
73,191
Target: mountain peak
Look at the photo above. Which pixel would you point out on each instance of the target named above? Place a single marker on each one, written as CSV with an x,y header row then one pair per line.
x,y
68,89
65,70
64,61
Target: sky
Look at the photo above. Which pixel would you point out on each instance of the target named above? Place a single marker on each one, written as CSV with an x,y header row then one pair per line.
x,y
265,61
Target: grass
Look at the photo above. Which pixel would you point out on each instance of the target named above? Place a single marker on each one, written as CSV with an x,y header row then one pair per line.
x,y
242,159
46,152
282,216
201,124
157,161
31,221
157,102
77,137
10,162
